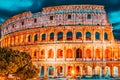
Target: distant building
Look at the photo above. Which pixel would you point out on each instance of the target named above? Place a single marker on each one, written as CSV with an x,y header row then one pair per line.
x,y
65,40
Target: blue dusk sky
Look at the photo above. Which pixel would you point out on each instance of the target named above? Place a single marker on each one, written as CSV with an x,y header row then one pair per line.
x,y
9,8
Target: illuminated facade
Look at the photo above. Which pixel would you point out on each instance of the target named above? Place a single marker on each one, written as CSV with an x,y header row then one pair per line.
x,y
65,40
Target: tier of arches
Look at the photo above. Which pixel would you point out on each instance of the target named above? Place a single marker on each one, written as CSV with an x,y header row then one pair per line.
x,y
78,70
69,36
78,53
51,37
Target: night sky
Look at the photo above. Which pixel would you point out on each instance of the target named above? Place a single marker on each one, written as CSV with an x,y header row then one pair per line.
x,y
9,8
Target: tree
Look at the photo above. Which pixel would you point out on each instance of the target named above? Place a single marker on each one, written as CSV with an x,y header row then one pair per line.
x,y
16,62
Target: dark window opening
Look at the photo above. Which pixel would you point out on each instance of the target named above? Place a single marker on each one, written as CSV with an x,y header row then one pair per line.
x,y
51,17
43,36
52,36
13,26
79,35
105,36
88,16
69,16
22,23
35,20
35,54
97,36
29,38
36,37
60,36
88,36
69,36
98,24
78,53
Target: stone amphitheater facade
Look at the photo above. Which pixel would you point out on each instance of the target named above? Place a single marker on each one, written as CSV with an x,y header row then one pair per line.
x,y
65,40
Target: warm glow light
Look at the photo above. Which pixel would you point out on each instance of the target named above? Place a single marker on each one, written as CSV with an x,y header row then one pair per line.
x,y
72,72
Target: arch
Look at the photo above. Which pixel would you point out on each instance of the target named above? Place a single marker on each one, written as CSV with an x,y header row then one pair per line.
x,y
79,35
59,70
60,36
52,36
59,53
69,53
88,36
69,70
43,37
35,54
107,71
42,55
115,71
89,16
50,71
69,35
69,16
41,71
50,53
98,71
107,53
36,37
89,70
97,36
105,36
77,70
97,53
88,53
29,38
78,53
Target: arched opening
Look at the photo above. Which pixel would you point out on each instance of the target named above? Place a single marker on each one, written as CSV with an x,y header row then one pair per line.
x,y
88,36
29,38
88,53
107,54
115,71
97,36
69,70
78,53
107,71
43,37
98,71
115,54
42,56
69,16
35,54
77,71
50,53
41,71
89,71
59,53
69,54
88,16
79,35
97,53
52,36
35,37
60,36
59,70
50,71
105,36
69,35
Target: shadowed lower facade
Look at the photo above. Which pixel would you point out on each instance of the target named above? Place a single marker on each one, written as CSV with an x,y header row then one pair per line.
x,y
71,40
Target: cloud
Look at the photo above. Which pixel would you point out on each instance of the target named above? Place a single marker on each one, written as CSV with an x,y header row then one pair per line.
x,y
114,18
14,5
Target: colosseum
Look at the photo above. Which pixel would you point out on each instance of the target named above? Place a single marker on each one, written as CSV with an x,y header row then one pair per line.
x,y
67,40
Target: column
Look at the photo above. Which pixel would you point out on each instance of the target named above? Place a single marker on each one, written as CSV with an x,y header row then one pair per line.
x,y
45,71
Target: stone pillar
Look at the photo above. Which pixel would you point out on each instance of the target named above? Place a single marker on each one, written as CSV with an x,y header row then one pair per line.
x,y
45,71
55,71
